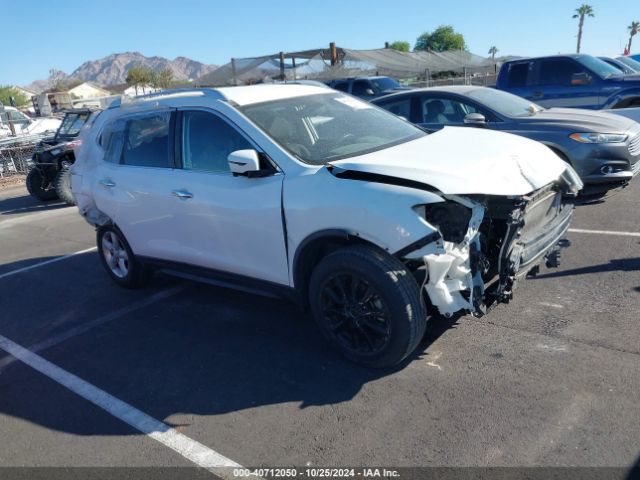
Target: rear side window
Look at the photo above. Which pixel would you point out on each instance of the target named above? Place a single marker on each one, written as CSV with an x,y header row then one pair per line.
x,y
557,71
146,141
207,141
518,75
360,88
401,108
342,86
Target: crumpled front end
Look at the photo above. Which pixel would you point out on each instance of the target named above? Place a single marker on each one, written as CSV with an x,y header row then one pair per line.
x,y
488,243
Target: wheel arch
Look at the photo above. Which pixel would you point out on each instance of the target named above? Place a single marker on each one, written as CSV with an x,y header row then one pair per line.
x,y
559,151
314,248
624,99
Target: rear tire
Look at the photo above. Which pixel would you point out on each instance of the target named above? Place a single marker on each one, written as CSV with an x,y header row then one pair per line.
x,y
368,305
63,186
35,187
118,259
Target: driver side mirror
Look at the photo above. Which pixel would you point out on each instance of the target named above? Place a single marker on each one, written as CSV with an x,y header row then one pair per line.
x,y
247,163
581,78
476,119
370,92
241,162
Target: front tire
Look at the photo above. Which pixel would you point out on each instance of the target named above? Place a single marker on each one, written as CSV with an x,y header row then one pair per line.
x,y
368,305
118,259
63,186
35,186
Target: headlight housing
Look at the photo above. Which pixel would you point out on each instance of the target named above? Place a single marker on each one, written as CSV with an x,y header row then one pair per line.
x,y
598,137
450,218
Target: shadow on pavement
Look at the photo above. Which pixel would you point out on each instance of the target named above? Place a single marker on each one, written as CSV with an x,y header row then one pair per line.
x,y
206,351
617,265
27,204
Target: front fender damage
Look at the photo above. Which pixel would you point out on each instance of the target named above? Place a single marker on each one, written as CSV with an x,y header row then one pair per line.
x,y
506,239
449,270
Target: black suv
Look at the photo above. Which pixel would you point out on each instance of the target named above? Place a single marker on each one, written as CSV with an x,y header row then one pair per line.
x,y
50,177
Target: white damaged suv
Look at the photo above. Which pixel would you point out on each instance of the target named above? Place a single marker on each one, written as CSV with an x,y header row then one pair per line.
x,y
306,192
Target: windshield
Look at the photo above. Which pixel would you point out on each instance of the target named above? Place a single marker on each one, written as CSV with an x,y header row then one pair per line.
x,y
599,67
72,124
630,62
384,83
504,103
329,126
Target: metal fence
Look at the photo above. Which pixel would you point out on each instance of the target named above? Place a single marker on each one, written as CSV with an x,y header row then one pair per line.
x,y
16,153
479,80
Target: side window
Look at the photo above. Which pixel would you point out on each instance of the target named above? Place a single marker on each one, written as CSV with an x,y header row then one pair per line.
x,y
207,141
517,75
442,111
557,71
399,107
18,117
342,86
360,88
111,141
146,141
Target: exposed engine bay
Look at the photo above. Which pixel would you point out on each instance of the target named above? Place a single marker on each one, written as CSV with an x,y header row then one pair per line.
x,y
487,243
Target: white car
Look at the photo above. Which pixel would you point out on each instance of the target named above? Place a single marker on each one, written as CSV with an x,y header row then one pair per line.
x,y
310,193
23,125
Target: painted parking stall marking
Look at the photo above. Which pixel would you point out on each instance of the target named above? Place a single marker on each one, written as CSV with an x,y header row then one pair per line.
x,y
90,325
161,432
604,232
46,262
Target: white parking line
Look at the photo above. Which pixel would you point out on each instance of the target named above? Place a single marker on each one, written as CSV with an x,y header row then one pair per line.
x,y
46,262
159,431
605,232
31,207
86,326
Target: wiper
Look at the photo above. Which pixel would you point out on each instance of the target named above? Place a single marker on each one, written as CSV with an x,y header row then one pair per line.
x,y
425,129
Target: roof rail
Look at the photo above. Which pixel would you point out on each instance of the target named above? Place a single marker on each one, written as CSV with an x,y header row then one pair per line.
x,y
171,93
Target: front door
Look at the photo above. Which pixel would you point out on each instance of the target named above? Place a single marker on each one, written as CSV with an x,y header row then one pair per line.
x,y
225,222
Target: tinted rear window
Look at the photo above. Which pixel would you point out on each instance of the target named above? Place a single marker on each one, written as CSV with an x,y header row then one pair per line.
x,y
518,75
146,141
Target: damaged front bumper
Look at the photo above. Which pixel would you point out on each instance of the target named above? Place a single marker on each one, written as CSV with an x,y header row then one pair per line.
x,y
506,239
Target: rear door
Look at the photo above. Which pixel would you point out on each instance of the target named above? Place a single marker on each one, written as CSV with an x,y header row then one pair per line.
x,y
136,179
518,78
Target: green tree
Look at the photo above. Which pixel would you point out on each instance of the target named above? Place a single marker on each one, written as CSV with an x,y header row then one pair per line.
x,y
133,77
164,78
7,91
400,45
492,52
441,39
582,12
140,76
634,28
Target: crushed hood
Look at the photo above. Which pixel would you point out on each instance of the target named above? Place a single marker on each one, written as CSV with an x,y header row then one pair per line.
x,y
465,161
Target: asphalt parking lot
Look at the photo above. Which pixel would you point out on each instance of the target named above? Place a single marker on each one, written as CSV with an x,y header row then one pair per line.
x,y
551,379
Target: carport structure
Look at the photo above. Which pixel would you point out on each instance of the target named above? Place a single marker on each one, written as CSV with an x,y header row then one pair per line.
x,y
336,62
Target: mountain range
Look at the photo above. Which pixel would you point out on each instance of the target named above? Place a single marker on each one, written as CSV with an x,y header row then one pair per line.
x,y
112,70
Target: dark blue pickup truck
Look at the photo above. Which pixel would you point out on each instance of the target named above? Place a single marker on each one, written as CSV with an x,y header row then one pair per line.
x,y
579,81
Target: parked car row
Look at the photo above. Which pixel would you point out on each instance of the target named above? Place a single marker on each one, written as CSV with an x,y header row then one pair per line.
x,y
602,147
309,193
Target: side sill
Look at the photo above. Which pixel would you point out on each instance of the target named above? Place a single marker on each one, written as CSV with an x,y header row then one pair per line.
x,y
223,279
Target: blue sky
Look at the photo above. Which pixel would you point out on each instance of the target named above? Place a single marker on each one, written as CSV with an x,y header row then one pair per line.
x,y
214,31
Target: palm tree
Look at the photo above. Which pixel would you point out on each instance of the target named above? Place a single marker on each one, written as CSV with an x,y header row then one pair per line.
x,y
633,29
583,11
492,52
